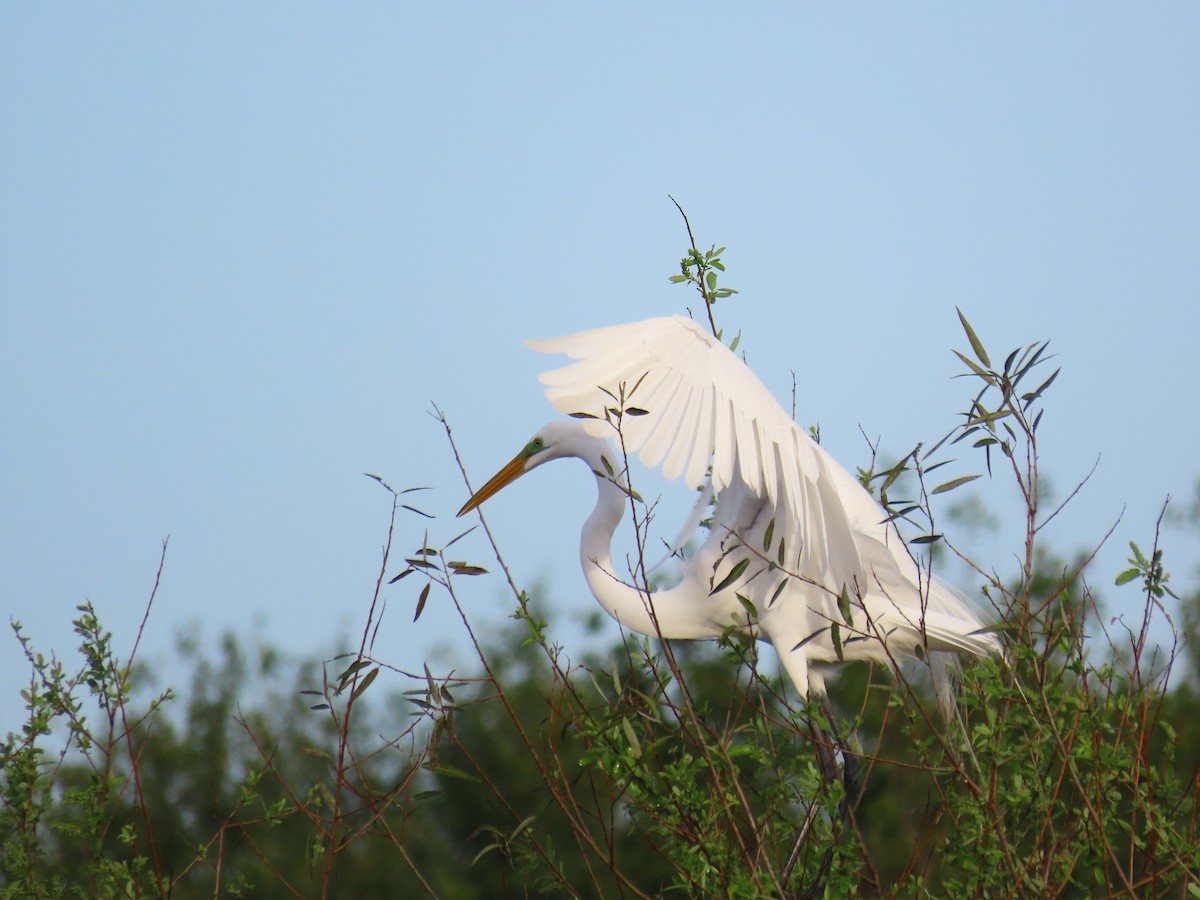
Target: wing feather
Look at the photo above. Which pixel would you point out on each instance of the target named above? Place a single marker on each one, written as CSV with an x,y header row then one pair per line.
x,y
704,405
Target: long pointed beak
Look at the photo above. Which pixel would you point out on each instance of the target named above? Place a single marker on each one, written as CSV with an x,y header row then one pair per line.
x,y
512,470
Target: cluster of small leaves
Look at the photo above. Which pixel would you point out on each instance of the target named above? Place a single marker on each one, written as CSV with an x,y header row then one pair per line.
x,y
699,269
1150,570
31,797
1048,785
991,422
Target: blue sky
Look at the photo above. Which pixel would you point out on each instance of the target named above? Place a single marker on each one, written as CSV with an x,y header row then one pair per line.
x,y
242,249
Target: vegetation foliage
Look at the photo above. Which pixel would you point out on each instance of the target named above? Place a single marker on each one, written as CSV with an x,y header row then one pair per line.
x,y
1068,767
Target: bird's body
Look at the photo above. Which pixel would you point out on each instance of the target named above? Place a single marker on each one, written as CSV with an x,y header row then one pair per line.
x,y
798,553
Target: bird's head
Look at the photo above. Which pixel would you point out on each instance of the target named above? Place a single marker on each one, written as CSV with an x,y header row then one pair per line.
x,y
562,437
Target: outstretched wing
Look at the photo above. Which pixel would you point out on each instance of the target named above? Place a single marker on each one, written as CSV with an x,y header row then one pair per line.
x,y
703,407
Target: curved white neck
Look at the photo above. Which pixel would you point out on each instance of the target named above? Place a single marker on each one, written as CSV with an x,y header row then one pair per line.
x,y
661,614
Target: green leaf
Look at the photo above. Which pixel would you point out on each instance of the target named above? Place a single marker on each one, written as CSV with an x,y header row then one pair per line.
x,y
893,473
767,537
1033,395
349,671
951,485
453,772
632,737
926,539
421,600
636,411
364,684
778,591
976,344
816,634
734,574
1127,576
970,364
844,606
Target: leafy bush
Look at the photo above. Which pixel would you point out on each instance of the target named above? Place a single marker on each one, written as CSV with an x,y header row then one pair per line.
x,y
1067,767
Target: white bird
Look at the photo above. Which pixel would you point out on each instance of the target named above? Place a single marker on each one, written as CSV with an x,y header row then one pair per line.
x,y
798,553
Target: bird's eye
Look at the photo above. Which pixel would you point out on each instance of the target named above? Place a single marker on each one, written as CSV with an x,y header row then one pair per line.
x,y
534,446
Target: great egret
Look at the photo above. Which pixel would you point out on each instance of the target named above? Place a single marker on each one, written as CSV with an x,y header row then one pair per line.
x,y
797,553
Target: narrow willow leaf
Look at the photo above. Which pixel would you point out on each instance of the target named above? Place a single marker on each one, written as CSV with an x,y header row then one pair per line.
x,y
816,634
454,541
778,591
966,433
458,567
926,539
747,604
835,633
452,772
902,513
582,415
893,473
607,465
484,852
350,670
385,484
734,574
782,542
976,344
1033,395
844,606
1127,576
974,367
951,485
770,534
637,384
737,339
403,574
987,418
636,411
525,823
364,684
1008,362
631,736
421,601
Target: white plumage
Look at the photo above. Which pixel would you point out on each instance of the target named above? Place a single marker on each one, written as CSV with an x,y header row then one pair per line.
x,y
798,553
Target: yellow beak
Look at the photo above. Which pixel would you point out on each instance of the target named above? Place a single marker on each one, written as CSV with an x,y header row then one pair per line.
x,y
512,470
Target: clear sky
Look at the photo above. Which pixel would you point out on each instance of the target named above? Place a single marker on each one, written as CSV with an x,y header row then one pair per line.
x,y
243,247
